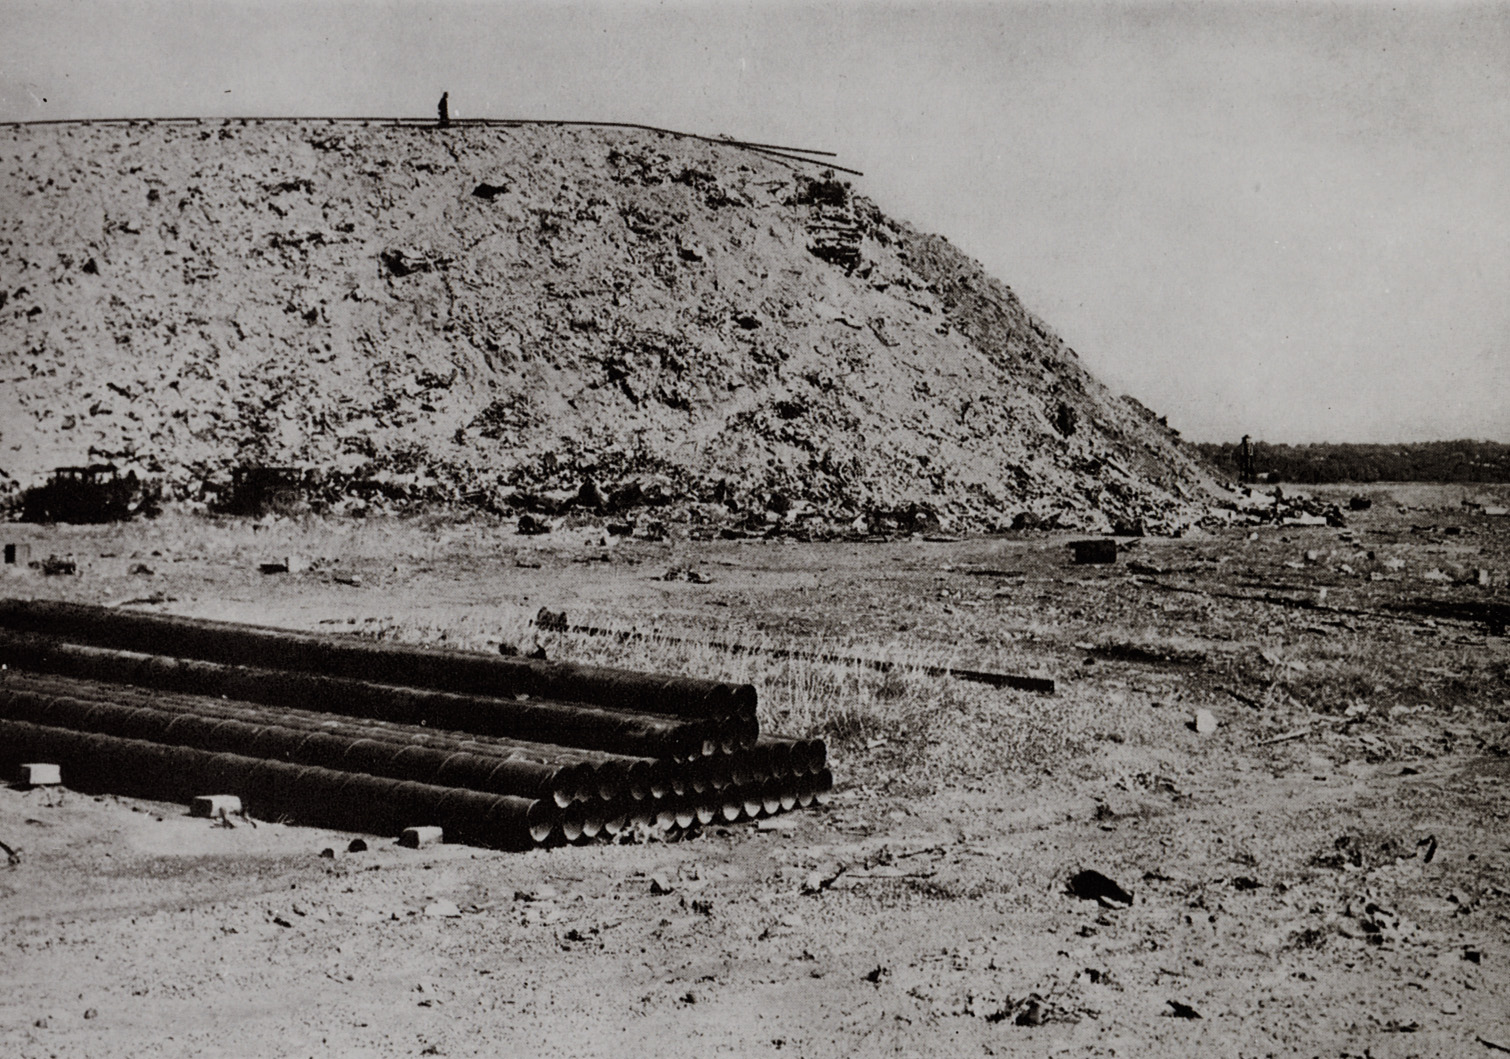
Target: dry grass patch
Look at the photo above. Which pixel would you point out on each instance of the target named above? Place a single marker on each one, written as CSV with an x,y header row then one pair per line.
x,y
928,727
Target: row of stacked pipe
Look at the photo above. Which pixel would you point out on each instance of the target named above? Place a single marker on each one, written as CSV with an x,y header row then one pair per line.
x,y
356,735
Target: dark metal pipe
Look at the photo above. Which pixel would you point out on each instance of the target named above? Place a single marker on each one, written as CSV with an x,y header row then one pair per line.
x,y
818,789
525,779
459,672
586,762
276,789
807,755
778,758
771,792
565,724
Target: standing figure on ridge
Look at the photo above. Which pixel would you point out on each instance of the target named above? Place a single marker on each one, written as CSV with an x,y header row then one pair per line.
x,y
444,109
1245,472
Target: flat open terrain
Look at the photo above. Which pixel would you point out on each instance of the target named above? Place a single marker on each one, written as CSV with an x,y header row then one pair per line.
x,y
1326,873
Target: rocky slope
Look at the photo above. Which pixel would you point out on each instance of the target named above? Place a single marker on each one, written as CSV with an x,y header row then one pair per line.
x,y
499,313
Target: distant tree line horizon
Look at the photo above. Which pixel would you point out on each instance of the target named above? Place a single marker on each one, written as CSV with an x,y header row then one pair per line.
x,y
1318,464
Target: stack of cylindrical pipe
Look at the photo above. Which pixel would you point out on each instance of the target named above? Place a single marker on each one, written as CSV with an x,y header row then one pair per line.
x,y
537,719
565,752
407,666
355,801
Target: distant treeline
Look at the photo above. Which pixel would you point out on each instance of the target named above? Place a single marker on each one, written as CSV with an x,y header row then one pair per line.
x,y
1427,461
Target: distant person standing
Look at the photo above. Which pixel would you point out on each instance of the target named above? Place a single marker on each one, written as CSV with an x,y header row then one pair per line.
x,y
444,109
1245,471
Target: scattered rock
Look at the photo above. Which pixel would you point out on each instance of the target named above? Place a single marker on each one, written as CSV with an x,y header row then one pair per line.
x,y
539,893
1180,1010
678,573
1089,885
91,1013
357,845
661,884
1204,722
590,495
821,878
551,620
443,910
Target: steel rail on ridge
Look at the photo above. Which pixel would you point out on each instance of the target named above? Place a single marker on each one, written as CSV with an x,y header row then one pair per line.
x,y
770,150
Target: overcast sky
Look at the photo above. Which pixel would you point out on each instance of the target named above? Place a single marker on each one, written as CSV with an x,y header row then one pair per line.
x,y
1290,220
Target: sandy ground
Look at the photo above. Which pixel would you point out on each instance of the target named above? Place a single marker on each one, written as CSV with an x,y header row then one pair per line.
x,y
1337,892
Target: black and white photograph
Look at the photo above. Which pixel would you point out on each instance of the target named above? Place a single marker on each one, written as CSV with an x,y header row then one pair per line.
x,y
807,529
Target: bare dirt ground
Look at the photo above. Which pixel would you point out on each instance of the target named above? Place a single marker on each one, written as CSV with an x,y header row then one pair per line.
x,y
1323,874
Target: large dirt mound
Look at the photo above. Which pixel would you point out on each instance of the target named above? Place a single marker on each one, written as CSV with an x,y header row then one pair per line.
x,y
491,312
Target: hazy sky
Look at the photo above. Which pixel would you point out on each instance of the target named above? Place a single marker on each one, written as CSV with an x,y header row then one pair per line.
x,y
1290,220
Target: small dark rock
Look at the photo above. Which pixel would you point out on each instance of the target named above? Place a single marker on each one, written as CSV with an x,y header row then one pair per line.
x,y
357,846
1091,885
590,495
1182,1011
1099,550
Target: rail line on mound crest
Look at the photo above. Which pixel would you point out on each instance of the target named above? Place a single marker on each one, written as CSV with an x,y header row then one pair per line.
x,y
769,150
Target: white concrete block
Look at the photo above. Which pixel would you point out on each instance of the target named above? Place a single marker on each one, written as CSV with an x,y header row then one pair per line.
x,y
41,774
419,837
214,805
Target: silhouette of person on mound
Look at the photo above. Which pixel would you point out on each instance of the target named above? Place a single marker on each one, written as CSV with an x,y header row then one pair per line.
x,y
444,109
1246,472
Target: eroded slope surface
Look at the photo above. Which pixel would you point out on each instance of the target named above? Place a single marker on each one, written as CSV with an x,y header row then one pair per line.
x,y
488,311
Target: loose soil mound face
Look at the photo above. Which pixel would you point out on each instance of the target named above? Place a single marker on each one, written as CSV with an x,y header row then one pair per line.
x,y
484,312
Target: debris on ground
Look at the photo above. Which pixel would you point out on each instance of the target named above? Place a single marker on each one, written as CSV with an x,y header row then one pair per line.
x,y
1091,885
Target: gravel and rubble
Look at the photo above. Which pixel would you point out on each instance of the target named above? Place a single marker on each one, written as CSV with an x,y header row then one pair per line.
x,y
1321,874
502,316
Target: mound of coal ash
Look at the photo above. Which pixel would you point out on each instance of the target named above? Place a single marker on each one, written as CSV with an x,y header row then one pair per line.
x,y
535,318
